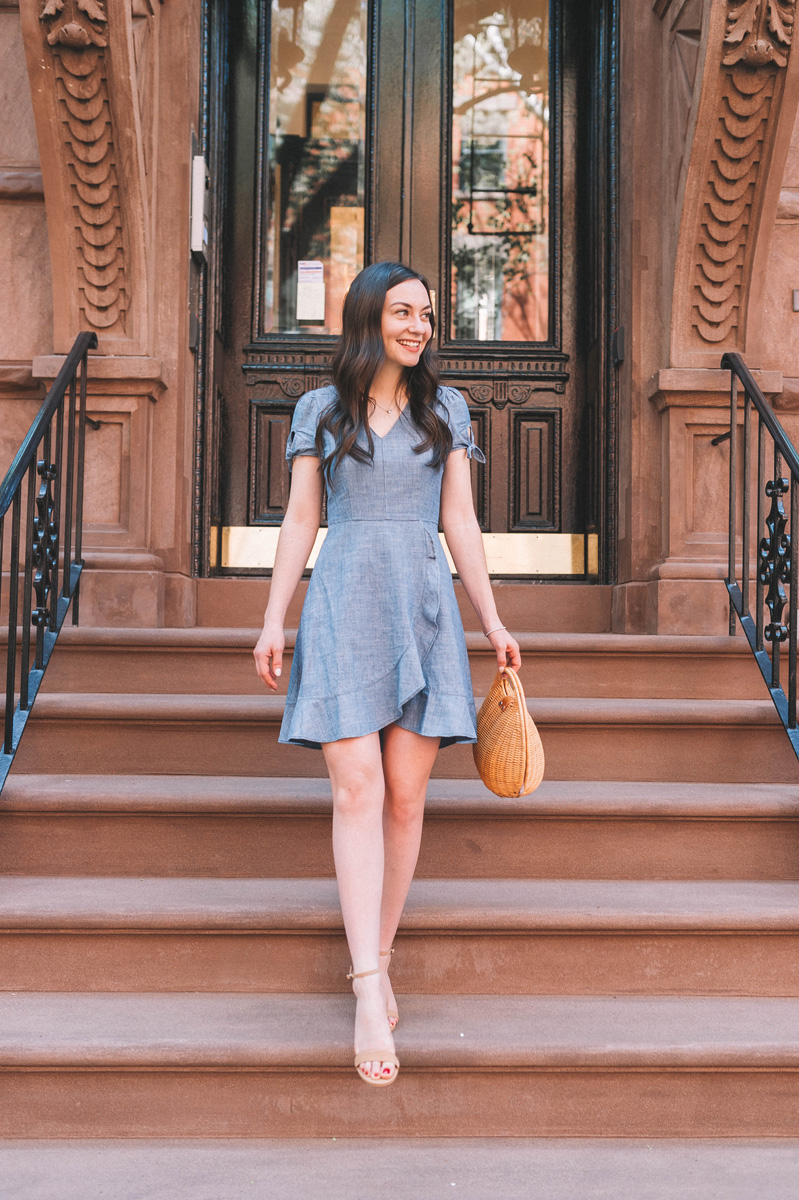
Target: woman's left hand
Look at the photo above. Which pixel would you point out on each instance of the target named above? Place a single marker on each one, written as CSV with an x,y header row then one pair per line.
x,y
507,648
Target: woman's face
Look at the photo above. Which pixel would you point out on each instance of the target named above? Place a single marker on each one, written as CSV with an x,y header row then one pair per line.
x,y
406,322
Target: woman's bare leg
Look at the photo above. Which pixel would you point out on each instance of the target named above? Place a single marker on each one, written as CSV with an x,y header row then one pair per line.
x,y
356,777
407,762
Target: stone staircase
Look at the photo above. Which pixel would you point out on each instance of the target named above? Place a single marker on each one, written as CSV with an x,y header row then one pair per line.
x,y
613,957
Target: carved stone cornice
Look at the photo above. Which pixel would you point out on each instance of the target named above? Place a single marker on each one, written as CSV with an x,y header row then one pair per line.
x,y
737,121
83,69
703,388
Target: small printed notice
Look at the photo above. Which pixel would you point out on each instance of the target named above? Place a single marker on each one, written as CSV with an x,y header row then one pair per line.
x,y
311,291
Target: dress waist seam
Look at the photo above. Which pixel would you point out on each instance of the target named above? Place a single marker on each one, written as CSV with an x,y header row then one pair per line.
x,y
431,521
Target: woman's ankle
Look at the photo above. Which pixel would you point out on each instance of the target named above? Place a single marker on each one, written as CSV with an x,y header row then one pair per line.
x,y
370,986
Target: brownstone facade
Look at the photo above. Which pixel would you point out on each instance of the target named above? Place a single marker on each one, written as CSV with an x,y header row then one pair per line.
x,y
100,99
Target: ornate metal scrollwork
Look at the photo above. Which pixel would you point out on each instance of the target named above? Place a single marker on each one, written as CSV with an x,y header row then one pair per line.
x,y
45,542
775,560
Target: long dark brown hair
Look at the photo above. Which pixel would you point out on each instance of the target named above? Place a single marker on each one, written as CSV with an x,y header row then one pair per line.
x,y
358,358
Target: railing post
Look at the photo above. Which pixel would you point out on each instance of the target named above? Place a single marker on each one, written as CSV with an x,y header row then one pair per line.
x,y
13,601
27,587
747,468
733,482
58,462
69,490
793,609
79,498
761,493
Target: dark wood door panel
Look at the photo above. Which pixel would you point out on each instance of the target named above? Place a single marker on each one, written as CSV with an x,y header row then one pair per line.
x,y
269,474
535,470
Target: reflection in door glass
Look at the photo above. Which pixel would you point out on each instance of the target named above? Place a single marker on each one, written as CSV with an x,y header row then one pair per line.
x,y
316,167
500,171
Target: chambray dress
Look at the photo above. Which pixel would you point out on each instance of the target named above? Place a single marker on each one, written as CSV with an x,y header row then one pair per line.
x,y
380,637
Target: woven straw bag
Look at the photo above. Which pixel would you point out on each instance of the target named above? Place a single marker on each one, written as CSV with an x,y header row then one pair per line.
x,y
508,751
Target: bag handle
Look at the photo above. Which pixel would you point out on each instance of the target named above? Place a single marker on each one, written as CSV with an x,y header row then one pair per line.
x,y
513,685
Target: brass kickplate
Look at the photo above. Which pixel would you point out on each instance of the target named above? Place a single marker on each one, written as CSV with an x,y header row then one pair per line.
x,y
252,547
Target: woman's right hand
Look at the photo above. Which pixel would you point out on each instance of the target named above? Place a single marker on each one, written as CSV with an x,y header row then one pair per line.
x,y
268,654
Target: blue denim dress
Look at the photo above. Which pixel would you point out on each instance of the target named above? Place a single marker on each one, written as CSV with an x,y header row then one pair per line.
x,y
380,638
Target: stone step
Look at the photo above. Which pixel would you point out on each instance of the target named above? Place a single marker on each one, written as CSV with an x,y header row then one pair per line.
x,y
166,1065
457,936
194,825
696,741
401,1168
548,607
219,661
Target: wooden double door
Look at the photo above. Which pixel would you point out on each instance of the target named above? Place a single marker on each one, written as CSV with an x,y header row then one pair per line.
x,y
470,139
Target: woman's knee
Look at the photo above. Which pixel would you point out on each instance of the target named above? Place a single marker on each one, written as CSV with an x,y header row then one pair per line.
x,y
360,794
404,805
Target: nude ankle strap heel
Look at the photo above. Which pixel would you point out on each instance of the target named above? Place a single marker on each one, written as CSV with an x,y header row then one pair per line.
x,y
362,974
381,1056
391,1013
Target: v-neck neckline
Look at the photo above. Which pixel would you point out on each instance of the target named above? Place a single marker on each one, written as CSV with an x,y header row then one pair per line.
x,y
382,436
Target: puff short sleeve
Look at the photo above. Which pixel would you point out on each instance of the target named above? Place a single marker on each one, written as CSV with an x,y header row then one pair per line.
x,y
461,425
301,439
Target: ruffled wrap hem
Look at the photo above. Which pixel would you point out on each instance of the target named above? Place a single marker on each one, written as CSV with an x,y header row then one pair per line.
x,y
310,721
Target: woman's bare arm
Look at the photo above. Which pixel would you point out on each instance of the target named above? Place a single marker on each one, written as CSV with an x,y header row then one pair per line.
x,y
465,543
297,535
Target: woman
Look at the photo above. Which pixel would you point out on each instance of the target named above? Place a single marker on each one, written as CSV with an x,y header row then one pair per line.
x,y
380,675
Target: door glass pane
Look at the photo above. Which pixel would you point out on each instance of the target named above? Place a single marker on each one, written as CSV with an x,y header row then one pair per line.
x,y
316,162
500,171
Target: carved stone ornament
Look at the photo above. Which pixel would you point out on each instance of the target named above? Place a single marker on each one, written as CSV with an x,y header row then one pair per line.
x,y
76,23
87,60
736,127
77,30
759,32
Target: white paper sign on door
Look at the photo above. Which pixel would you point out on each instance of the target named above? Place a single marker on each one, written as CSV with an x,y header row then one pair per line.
x,y
311,291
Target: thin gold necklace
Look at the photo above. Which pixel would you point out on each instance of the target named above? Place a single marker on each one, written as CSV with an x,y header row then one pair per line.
x,y
385,410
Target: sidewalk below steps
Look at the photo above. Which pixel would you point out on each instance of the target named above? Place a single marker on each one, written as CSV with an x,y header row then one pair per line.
x,y
500,1066
401,1169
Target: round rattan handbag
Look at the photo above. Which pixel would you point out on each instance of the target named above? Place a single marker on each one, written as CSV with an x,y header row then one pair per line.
x,y
508,751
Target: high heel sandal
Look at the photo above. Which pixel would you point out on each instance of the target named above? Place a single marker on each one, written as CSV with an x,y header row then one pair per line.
x,y
391,1013
381,1056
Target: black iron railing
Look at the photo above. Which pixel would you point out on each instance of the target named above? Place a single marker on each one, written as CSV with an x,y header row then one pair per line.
x,y
777,475
43,492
